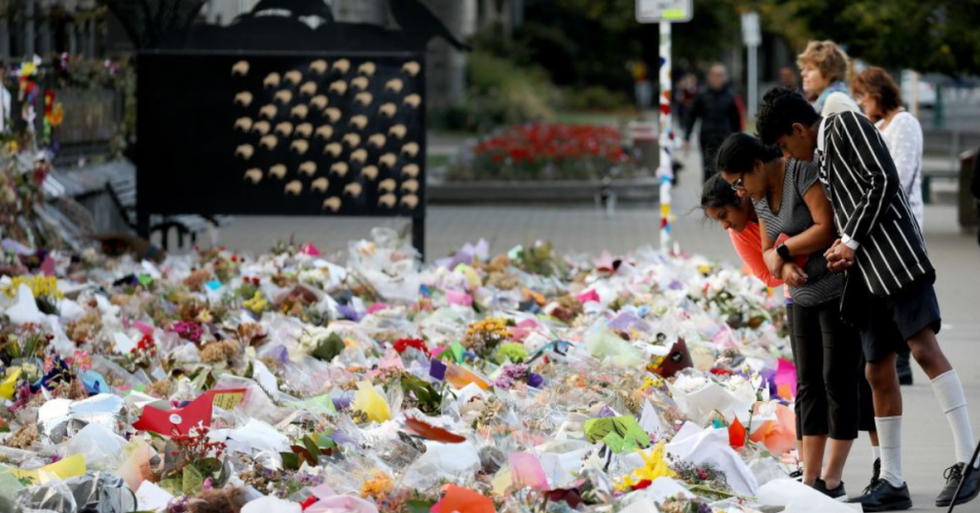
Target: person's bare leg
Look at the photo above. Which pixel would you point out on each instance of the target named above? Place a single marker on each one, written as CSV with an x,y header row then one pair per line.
x,y
873,437
885,389
811,452
837,451
927,353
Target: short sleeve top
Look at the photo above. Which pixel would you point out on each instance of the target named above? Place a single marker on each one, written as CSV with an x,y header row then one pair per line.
x,y
793,218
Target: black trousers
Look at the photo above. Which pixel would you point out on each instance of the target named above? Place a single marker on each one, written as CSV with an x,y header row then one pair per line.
x,y
828,371
710,143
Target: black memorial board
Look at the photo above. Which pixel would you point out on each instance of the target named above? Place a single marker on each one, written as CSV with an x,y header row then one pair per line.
x,y
272,133
273,115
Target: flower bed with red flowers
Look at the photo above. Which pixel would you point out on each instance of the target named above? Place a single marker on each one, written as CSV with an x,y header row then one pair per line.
x,y
546,152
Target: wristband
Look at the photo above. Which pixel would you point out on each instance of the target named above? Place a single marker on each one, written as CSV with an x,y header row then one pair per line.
x,y
783,252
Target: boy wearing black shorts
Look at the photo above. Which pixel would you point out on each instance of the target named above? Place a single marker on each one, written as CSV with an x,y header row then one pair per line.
x,y
888,293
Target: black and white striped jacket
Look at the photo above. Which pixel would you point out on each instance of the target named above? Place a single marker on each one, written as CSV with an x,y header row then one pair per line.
x,y
871,211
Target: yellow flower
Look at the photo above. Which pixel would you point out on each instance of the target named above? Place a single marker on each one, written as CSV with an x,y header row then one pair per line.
x,y
205,316
39,285
257,304
651,381
377,486
654,467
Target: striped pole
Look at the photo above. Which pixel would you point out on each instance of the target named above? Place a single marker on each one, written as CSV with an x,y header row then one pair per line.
x,y
666,172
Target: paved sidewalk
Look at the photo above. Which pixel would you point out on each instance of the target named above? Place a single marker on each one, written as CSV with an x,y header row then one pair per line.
x,y
929,446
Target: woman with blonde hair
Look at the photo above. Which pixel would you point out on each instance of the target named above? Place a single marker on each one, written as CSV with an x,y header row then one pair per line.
x,y
823,66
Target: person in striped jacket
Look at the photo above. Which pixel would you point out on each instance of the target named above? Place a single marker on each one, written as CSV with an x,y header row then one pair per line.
x,y
888,292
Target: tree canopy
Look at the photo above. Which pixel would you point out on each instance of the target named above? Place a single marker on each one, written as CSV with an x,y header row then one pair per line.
x,y
939,36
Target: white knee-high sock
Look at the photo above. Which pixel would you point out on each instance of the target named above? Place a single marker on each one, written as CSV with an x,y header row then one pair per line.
x,y
890,437
949,392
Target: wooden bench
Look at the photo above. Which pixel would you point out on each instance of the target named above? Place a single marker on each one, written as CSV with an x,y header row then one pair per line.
x,y
122,190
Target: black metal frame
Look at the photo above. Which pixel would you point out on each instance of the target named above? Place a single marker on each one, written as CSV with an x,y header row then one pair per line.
x,y
144,213
263,36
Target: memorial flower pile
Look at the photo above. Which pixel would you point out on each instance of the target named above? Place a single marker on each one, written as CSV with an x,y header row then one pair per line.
x,y
289,382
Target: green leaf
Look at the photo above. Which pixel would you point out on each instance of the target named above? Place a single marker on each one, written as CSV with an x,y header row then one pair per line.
x,y
314,449
329,348
290,460
210,465
193,480
171,485
419,505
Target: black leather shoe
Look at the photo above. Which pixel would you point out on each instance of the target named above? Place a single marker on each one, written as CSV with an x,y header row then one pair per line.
x,y
882,496
837,493
970,490
797,475
904,370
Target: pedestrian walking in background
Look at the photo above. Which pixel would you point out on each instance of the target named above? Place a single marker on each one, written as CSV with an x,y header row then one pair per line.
x,y
642,87
684,94
824,68
717,107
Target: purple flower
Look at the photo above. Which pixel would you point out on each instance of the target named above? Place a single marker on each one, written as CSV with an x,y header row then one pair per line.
x,y
341,403
606,412
348,312
188,331
509,374
535,380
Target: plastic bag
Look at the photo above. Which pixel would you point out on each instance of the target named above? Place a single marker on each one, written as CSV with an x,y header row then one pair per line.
x,y
102,492
101,447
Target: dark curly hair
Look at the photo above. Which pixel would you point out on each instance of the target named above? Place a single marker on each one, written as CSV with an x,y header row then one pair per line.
x,y
781,107
739,152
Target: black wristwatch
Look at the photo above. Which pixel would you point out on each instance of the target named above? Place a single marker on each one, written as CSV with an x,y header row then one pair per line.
x,y
783,252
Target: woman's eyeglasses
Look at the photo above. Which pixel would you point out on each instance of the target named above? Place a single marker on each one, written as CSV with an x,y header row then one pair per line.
x,y
739,185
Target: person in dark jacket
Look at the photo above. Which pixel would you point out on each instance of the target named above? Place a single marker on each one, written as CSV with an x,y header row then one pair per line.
x,y
717,108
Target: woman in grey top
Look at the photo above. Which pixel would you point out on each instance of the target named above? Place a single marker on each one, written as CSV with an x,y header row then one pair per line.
x,y
790,202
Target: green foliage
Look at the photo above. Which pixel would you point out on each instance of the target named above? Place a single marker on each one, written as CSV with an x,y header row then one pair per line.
x,y
541,259
595,98
937,36
429,399
328,348
419,505
499,92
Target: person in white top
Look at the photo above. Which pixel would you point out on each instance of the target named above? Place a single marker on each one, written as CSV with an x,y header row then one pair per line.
x,y
881,100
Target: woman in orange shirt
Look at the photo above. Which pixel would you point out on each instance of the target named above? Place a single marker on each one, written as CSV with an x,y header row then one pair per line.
x,y
737,215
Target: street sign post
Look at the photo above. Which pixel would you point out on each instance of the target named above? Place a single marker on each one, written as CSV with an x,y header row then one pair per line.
x,y
752,36
671,11
665,12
